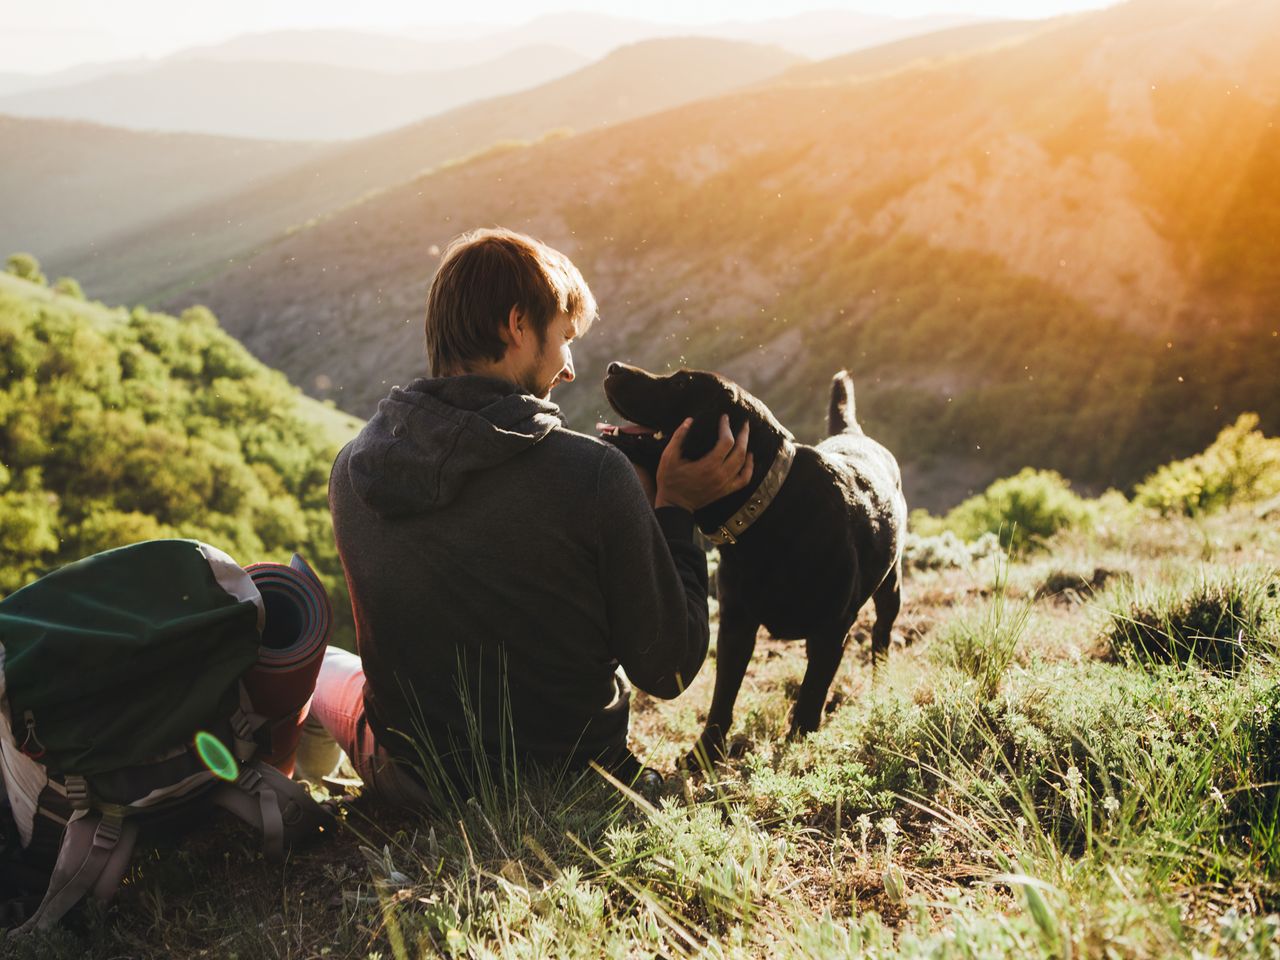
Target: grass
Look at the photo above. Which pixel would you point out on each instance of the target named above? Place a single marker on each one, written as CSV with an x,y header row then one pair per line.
x,y
1008,787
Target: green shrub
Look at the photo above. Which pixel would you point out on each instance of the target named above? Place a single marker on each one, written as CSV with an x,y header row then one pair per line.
x,y
68,287
1240,466
1216,623
26,267
1022,510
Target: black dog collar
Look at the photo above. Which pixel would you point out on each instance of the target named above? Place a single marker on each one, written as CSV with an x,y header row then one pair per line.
x,y
750,512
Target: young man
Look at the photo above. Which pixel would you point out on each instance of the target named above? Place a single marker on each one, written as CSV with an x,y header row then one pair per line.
x,y
501,566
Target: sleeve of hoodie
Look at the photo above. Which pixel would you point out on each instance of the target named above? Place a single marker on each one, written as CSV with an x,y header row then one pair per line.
x,y
654,579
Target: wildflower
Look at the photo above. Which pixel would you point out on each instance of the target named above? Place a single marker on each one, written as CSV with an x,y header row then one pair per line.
x,y
864,828
1074,789
1021,824
1111,806
889,827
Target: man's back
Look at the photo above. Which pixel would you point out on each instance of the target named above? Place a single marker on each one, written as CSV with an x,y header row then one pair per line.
x,y
488,548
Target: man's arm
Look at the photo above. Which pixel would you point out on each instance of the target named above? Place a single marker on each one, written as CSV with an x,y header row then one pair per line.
x,y
654,580
660,653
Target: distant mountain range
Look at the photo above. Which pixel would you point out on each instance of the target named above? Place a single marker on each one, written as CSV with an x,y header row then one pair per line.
x,y
342,84
1052,248
285,101
143,259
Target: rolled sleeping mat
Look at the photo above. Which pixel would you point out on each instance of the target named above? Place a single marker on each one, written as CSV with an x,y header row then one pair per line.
x,y
296,629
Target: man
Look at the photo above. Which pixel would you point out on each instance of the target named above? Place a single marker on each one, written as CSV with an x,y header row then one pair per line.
x,y
501,566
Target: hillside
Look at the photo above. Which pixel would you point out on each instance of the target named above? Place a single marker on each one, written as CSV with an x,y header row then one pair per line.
x,y
285,101
68,185
1023,255
118,426
1069,753
188,246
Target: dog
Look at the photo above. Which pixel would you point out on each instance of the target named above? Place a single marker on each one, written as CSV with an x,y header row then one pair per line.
x,y
816,532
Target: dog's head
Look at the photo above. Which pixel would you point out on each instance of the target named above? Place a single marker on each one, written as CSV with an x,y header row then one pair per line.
x,y
656,405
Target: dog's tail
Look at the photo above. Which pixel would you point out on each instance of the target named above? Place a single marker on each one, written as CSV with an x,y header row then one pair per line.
x,y
842,416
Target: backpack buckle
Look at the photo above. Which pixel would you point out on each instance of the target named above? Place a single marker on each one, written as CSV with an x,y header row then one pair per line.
x,y
108,832
249,779
77,791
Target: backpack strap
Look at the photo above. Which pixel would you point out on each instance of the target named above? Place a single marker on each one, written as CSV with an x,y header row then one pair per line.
x,y
94,854
245,724
266,799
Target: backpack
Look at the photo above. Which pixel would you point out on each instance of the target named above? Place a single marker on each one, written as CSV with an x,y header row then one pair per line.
x,y
132,690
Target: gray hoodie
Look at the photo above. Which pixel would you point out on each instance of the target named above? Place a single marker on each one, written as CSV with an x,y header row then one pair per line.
x,y
485,545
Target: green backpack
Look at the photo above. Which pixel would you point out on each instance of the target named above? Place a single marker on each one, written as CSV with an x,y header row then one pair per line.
x,y
121,700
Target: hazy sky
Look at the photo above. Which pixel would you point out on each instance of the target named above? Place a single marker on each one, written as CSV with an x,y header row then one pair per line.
x,y
49,35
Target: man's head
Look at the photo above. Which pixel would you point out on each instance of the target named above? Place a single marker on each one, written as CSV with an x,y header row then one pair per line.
x,y
506,304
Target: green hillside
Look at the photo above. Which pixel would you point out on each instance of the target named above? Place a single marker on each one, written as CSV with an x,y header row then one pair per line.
x,y
119,426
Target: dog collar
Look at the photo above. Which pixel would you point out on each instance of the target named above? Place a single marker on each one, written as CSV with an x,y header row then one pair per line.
x,y
750,512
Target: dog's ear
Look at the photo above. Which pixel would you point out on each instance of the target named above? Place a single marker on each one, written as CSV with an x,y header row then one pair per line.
x,y
705,432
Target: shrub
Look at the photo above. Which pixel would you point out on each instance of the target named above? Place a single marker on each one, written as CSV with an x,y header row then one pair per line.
x,y
1215,623
946,550
26,267
1240,466
1022,510
68,287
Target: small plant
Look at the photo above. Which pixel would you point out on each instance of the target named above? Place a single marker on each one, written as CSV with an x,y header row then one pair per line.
x,y
983,646
1215,623
1069,583
946,550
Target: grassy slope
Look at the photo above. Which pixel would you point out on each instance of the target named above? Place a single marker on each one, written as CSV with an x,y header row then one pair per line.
x,y
783,853
184,249
336,425
1008,251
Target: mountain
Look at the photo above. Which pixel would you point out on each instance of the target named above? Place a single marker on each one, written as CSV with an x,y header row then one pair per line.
x,y
820,33
68,185
643,78
1033,254
284,101
916,51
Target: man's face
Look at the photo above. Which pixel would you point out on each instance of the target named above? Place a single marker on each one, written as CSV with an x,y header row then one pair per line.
x,y
551,362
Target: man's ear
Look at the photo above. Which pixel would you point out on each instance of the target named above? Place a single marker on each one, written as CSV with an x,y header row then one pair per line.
x,y
516,327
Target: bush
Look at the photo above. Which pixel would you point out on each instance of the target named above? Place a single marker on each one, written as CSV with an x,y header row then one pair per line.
x,y
26,267
1240,466
946,550
1215,623
1022,510
68,287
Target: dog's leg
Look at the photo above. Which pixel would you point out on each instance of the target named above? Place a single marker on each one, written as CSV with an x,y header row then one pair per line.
x,y
888,601
735,644
825,652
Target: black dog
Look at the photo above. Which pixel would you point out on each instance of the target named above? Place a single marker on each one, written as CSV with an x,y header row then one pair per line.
x,y
816,533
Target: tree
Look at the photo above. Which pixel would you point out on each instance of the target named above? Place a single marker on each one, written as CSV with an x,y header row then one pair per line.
x,y
27,267
68,287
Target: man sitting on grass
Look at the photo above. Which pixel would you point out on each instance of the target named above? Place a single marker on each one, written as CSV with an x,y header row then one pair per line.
x,y
501,566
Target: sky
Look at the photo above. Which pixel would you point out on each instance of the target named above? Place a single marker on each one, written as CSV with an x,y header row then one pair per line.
x,y
54,34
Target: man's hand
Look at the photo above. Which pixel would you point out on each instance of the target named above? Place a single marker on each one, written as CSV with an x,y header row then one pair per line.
x,y
692,484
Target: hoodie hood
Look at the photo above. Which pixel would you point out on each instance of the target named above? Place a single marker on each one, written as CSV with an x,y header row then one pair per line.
x,y
428,438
